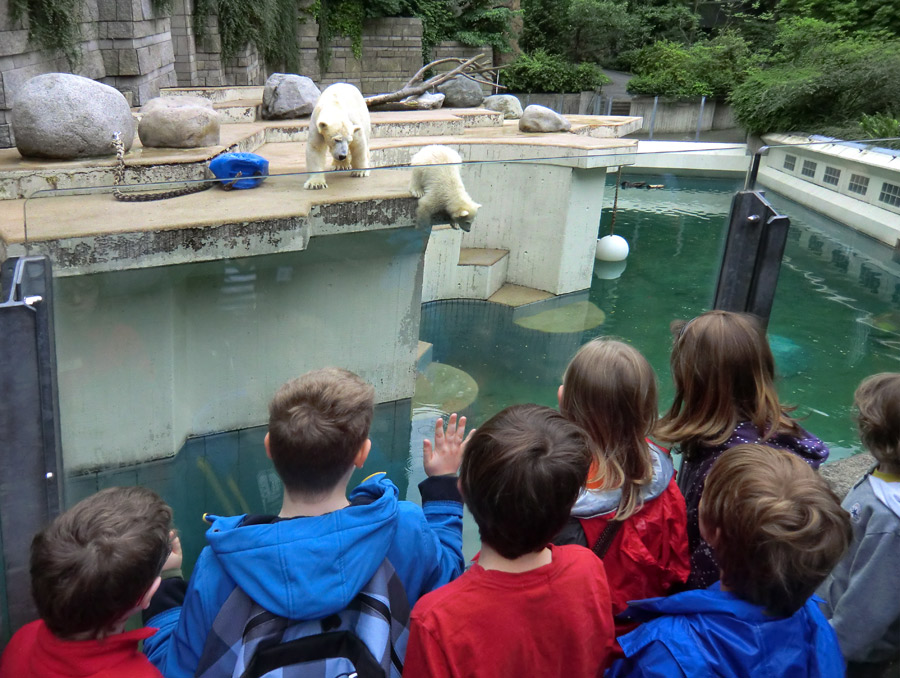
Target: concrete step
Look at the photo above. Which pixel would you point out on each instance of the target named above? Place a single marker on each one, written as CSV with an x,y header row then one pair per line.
x,y
216,94
481,272
238,110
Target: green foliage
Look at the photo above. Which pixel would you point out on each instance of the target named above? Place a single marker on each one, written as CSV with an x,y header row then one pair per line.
x,y
161,7
543,72
52,25
709,68
480,23
873,16
601,30
270,25
340,18
546,26
814,85
881,126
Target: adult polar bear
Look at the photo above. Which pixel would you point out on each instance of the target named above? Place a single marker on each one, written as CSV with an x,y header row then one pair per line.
x,y
340,125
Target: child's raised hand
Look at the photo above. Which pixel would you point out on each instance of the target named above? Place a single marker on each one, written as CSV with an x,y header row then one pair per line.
x,y
445,456
173,562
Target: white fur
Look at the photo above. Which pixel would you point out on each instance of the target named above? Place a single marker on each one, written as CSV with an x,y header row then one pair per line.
x,y
437,184
339,119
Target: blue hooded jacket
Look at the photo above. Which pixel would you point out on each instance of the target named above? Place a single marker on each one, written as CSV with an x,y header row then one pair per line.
x,y
309,568
711,632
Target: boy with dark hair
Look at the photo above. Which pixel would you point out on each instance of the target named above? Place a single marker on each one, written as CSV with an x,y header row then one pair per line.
x,y
776,530
862,594
92,568
527,608
319,555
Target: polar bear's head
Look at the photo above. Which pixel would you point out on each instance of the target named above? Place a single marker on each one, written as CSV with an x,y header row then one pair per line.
x,y
338,132
464,214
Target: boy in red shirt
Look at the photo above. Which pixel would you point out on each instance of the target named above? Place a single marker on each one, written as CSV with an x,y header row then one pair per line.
x,y
91,569
527,608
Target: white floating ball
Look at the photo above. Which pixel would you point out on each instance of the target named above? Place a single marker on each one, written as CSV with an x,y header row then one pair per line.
x,y
609,270
612,248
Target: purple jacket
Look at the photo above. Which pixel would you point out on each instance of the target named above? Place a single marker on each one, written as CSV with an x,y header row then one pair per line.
x,y
704,568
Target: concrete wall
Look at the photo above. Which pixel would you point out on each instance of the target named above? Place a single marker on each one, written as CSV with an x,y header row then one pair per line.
x,y
673,117
148,357
577,103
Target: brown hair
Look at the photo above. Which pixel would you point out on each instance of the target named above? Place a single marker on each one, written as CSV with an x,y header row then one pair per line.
x,y
520,476
781,528
724,373
93,563
877,401
317,424
610,391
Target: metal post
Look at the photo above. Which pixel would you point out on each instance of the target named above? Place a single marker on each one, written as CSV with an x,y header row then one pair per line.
x,y
653,116
748,277
598,102
700,119
609,103
30,460
750,182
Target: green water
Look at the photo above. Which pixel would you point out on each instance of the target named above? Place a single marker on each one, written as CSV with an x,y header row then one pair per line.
x,y
834,286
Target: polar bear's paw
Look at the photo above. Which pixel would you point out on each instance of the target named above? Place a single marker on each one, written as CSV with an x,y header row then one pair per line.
x,y
416,192
314,183
342,164
359,173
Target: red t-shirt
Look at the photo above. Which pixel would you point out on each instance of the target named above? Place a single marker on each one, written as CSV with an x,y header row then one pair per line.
x,y
555,620
34,652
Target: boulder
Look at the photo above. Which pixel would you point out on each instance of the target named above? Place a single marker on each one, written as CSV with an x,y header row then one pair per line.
x,y
288,96
507,104
179,122
429,101
64,116
542,119
461,92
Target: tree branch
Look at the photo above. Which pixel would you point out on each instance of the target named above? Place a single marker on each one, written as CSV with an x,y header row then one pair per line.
x,y
465,67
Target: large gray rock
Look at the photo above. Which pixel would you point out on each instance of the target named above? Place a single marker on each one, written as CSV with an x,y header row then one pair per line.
x,y
461,92
507,104
843,474
542,119
179,122
63,116
288,96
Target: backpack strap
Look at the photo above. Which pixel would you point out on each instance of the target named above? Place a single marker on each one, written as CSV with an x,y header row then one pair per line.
x,y
606,538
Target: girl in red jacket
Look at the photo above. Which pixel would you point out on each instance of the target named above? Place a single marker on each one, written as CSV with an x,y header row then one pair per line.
x,y
631,512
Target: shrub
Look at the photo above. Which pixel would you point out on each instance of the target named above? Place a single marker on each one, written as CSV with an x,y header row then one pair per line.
x,y
710,68
543,72
813,85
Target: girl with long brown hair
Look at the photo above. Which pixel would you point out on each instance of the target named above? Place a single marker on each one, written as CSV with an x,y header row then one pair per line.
x,y
725,395
631,512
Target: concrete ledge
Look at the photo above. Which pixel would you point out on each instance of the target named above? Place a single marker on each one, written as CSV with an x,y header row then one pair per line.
x,y
685,157
843,474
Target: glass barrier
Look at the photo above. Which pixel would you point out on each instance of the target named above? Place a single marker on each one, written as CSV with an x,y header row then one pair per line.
x,y
177,319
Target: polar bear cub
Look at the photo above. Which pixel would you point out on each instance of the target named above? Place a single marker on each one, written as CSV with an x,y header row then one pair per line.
x,y
339,125
437,184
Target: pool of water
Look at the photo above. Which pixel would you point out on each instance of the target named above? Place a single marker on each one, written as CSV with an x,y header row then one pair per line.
x,y
835,319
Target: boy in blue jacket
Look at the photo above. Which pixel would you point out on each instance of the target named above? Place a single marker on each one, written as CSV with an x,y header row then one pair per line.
x,y
314,558
777,530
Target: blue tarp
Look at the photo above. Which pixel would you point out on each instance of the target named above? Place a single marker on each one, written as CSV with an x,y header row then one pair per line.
x,y
228,165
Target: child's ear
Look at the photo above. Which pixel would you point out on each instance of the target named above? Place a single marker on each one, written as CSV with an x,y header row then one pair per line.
x,y
559,397
266,444
148,596
363,454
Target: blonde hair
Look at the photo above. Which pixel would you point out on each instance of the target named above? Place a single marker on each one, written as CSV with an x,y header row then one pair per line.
x,y
781,529
724,373
609,389
877,401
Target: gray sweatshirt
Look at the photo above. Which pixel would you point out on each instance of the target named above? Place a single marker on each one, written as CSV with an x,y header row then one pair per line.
x,y
862,594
